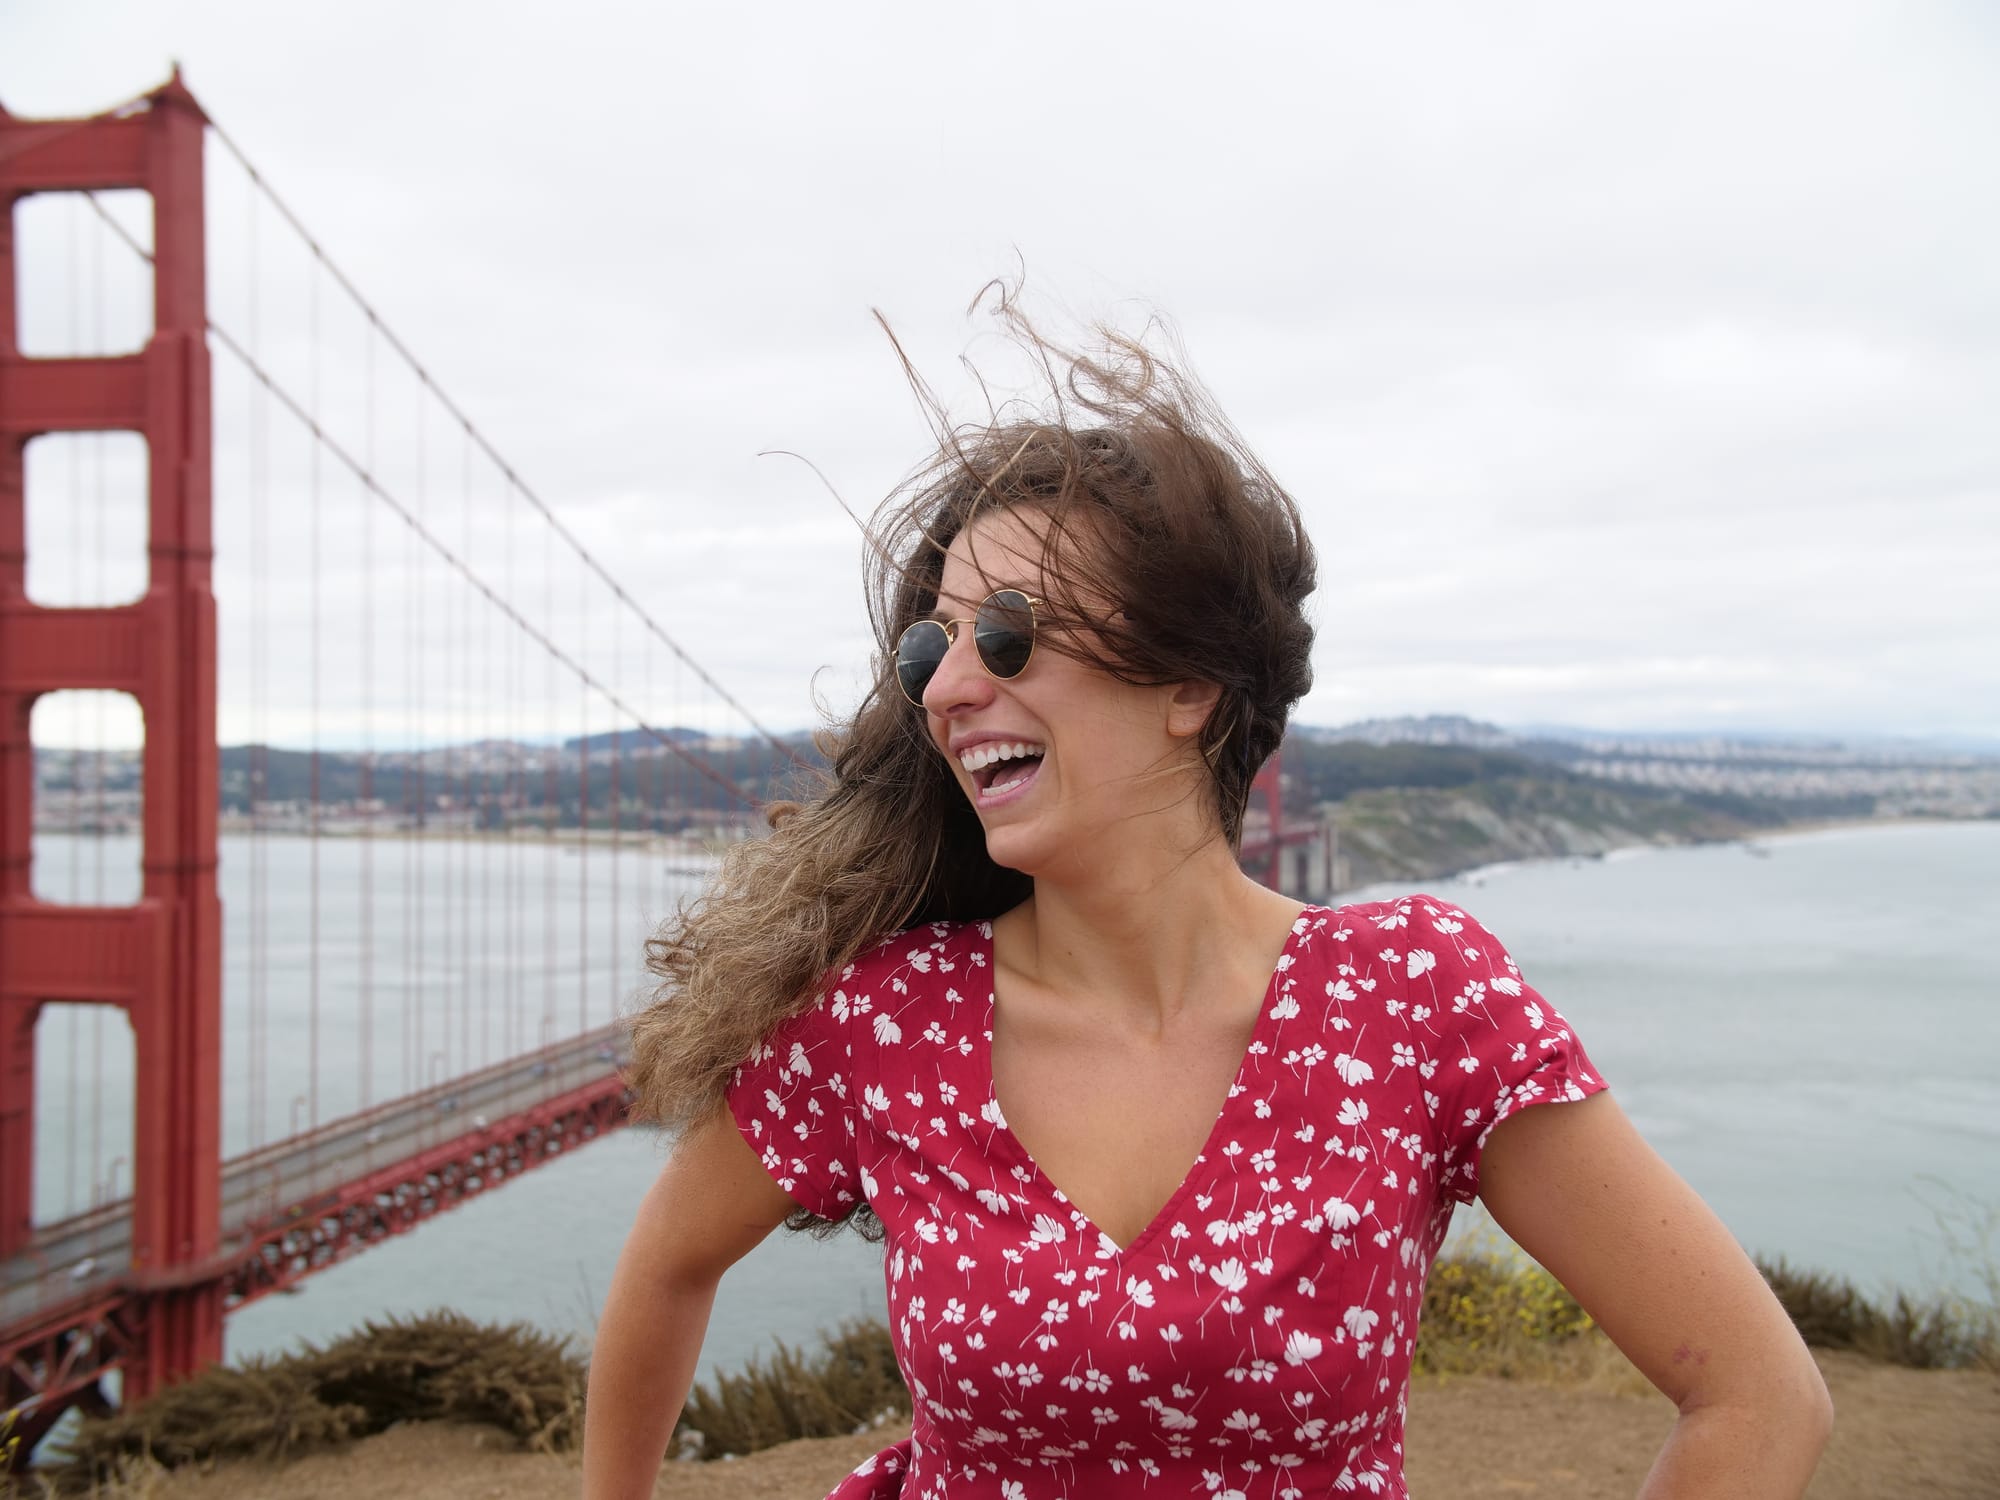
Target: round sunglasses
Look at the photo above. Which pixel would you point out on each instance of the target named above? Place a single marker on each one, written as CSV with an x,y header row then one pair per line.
x,y
1003,632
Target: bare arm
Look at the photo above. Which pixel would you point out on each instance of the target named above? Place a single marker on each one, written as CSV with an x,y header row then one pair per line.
x,y
1579,1190
711,1205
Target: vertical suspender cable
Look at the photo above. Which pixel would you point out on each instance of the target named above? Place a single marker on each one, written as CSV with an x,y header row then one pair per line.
x,y
259,762
370,823
312,826
583,817
615,956
510,927
551,808
477,809
418,751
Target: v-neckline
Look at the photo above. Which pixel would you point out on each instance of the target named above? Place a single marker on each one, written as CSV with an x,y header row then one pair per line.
x,y
1203,1159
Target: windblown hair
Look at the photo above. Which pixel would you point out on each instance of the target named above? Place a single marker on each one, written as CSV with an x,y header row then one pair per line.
x,y
1162,532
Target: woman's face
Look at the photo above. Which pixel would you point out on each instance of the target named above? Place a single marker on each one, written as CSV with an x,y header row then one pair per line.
x,y
1064,756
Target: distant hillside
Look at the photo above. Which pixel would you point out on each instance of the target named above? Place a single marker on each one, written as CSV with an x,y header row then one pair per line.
x,y
1420,833
1319,771
1418,811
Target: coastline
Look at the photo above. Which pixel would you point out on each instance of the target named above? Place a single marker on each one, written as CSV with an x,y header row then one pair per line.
x,y
1478,873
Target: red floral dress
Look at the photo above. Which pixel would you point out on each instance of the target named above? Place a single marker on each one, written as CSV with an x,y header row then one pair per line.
x,y
1254,1341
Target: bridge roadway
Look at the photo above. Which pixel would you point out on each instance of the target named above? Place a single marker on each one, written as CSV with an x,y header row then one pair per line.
x,y
379,1156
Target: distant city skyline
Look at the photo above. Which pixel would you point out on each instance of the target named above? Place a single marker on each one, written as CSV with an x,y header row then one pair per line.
x,y
1633,370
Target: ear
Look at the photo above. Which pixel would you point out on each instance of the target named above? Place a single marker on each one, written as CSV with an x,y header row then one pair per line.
x,y
1189,707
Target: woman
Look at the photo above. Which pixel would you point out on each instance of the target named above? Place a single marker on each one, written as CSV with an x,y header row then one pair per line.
x,y
1162,1157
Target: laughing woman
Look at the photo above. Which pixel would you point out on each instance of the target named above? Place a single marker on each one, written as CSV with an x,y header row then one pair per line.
x,y
1162,1157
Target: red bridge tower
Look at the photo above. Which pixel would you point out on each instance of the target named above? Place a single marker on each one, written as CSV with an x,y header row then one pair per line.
x,y
160,959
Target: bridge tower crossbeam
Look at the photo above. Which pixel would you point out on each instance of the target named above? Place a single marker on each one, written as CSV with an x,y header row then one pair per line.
x,y
159,959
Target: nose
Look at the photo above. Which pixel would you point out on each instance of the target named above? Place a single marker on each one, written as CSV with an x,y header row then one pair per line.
x,y
960,683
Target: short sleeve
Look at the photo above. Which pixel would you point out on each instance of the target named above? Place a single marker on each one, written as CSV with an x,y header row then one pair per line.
x,y
1502,1047
792,1099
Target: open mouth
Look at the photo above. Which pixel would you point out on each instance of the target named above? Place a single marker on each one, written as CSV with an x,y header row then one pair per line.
x,y
1002,765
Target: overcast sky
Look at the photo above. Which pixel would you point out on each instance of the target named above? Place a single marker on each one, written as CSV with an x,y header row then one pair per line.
x,y
1632,372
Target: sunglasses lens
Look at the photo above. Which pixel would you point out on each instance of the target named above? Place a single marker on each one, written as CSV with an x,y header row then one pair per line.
x,y
918,653
1004,631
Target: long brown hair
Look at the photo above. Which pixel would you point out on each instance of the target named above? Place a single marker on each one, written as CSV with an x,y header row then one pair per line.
x,y
1151,501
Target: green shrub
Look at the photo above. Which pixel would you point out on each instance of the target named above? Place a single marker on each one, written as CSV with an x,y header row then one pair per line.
x,y
1492,1311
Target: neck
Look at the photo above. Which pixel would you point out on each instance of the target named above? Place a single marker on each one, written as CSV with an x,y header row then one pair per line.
x,y
1142,940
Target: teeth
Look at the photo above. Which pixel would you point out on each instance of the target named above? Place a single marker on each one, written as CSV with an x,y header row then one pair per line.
x,y
982,756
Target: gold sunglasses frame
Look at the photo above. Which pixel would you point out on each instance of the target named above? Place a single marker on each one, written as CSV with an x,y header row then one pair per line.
x,y
950,629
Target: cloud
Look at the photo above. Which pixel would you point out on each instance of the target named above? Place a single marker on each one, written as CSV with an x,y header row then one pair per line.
x,y
1631,369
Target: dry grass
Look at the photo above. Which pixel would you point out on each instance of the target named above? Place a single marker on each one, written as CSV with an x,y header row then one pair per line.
x,y
850,1384
1940,1333
439,1366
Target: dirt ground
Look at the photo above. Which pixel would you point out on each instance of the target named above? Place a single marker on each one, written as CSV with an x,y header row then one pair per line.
x,y
1898,1432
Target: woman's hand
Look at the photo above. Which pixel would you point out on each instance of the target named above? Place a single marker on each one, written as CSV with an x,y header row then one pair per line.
x,y
710,1206
1581,1192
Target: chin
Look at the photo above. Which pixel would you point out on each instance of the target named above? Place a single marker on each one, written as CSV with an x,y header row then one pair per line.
x,y
1007,848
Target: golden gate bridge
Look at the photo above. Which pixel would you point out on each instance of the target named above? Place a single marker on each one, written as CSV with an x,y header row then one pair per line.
x,y
454,808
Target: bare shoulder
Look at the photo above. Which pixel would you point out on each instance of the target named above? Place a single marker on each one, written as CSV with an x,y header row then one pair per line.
x,y
712,1203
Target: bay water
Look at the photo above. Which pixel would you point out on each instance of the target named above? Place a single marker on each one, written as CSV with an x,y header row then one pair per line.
x,y
1806,1027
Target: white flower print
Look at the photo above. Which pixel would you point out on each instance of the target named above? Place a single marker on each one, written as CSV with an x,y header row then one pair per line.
x,y
1300,1347
887,1032
1230,1275
1422,961
1352,1070
1341,1214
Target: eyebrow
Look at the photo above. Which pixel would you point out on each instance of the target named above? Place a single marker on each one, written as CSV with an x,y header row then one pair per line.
x,y
942,615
